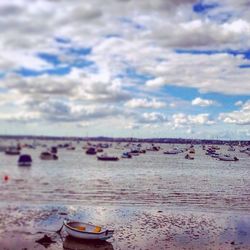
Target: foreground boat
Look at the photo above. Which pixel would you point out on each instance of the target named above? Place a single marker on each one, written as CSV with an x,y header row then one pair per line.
x,y
81,230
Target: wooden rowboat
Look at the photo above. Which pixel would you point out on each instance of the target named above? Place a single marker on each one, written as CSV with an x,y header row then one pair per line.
x,y
81,230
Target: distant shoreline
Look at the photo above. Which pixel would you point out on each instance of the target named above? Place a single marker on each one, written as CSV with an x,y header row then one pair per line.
x,y
125,139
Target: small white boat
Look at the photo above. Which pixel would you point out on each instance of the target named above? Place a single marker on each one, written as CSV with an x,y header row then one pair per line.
x,y
227,158
105,157
87,231
12,151
173,151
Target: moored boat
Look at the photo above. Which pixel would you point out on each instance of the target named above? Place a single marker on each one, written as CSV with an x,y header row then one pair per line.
x,y
12,151
99,150
173,151
53,150
227,158
189,157
81,230
48,156
126,155
105,157
91,151
192,151
24,160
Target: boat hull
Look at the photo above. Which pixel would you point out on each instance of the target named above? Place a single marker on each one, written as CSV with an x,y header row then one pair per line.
x,y
227,159
104,235
12,153
24,164
108,158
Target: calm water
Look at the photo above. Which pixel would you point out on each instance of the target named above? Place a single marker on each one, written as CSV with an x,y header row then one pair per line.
x,y
149,179
153,201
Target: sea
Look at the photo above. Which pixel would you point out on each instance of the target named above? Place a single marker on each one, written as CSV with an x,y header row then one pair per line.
x,y
152,201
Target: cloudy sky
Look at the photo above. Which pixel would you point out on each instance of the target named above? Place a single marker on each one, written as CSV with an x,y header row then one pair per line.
x,y
151,68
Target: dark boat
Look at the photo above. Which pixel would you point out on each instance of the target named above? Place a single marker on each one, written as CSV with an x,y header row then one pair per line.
x,y
53,150
91,151
24,160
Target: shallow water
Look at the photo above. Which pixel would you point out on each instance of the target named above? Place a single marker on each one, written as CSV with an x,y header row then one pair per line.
x,y
119,194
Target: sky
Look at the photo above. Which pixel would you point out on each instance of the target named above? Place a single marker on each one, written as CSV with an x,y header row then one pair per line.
x,y
125,68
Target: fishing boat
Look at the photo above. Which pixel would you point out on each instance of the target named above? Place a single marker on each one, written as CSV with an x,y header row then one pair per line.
x,y
48,156
81,230
24,160
105,157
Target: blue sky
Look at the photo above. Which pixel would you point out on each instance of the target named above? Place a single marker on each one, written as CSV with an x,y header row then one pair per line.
x,y
127,68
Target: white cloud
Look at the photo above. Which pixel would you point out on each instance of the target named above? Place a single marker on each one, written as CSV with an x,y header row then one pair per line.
x,y
183,120
238,103
208,73
152,117
21,117
240,117
202,102
144,103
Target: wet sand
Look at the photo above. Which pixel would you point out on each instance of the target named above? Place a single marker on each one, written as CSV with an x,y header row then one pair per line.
x,y
152,201
135,228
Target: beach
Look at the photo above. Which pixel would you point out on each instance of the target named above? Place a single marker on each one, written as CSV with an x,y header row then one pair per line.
x,y
152,201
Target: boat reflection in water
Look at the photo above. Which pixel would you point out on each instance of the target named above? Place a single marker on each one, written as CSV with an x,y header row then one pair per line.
x,y
71,243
